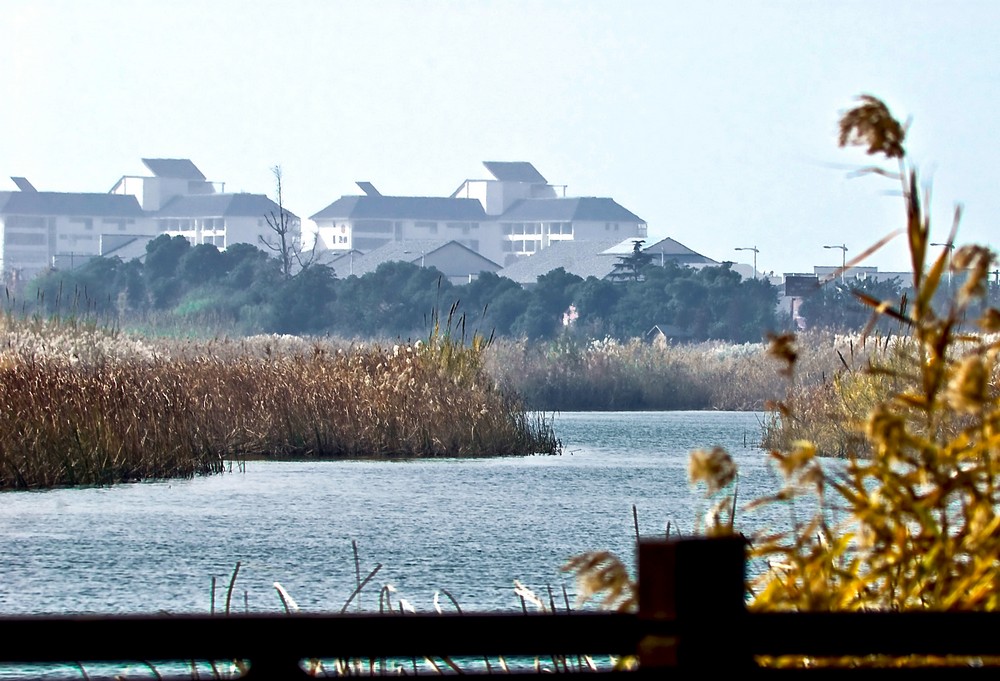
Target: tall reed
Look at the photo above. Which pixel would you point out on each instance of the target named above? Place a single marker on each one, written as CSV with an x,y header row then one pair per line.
x,y
910,519
91,406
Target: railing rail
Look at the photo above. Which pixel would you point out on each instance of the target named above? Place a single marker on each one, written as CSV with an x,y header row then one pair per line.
x,y
692,620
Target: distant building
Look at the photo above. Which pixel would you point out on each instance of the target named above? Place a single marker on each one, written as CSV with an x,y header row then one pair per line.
x,y
459,263
38,229
597,258
515,214
181,202
41,229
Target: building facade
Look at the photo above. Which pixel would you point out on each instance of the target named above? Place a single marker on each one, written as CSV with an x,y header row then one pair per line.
x,y
39,229
515,214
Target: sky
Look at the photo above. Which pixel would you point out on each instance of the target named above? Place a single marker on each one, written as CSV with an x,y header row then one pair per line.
x,y
715,122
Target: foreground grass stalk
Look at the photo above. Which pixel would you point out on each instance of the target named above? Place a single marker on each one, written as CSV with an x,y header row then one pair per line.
x,y
908,520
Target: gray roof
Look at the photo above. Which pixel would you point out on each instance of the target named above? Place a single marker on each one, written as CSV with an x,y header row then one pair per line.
x,y
403,208
595,258
23,184
669,249
586,208
219,205
582,258
180,168
434,252
514,171
60,203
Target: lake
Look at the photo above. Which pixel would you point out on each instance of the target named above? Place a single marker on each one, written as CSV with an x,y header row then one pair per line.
x,y
468,526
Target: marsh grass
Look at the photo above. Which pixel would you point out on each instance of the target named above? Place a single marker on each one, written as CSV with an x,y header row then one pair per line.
x,y
91,406
608,375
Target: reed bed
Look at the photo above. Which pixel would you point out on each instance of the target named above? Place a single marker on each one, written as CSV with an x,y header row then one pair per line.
x,y
85,406
609,375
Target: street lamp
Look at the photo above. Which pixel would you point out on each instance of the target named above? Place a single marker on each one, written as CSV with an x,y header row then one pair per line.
x,y
843,263
951,248
755,252
422,251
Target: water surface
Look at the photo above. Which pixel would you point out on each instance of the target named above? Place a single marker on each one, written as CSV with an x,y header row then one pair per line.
x,y
470,526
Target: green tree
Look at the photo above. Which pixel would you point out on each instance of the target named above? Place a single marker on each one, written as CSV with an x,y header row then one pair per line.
x,y
629,267
303,304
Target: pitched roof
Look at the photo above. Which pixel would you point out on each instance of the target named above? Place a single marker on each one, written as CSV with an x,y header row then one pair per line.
x,y
65,203
180,168
434,252
219,205
585,208
582,258
677,252
514,171
403,208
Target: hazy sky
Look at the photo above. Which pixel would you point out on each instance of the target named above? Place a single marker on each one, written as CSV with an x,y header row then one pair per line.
x,y
713,121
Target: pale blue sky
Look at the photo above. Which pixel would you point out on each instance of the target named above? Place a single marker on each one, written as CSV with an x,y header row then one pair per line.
x,y
713,121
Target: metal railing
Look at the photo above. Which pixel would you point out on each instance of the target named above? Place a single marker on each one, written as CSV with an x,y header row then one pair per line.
x,y
692,623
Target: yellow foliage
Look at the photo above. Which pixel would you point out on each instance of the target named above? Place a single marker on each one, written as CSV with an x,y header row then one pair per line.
x,y
917,488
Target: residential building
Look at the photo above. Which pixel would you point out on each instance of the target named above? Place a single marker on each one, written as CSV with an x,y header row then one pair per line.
x,y
515,214
40,229
459,263
182,202
597,258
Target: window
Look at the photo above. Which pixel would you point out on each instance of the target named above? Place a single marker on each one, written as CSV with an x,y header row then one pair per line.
x,y
431,227
373,227
86,223
118,222
508,228
25,222
25,239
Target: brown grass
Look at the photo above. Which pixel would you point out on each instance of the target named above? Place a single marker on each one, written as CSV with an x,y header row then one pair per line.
x,y
73,413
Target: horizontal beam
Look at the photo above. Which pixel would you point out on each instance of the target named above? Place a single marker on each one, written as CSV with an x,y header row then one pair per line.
x,y
302,636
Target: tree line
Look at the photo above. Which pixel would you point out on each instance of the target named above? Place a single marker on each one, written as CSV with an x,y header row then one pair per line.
x,y
244,290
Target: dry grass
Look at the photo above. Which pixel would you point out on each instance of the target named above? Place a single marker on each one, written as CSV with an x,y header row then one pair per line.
x,y
909,521
90,406
609,375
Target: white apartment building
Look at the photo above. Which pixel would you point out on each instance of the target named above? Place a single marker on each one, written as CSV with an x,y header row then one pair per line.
x,y
41,229
515,214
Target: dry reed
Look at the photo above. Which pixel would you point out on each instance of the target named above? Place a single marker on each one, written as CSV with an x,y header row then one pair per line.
x,y
90,406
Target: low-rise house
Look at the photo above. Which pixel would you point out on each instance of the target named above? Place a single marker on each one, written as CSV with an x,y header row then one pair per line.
x,y
459,263
598,258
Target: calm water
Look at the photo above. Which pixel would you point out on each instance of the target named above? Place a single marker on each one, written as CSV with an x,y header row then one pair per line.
x,y
471,527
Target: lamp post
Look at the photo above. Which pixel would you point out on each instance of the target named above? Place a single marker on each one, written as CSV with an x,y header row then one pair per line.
x,y
755,252
951,248
422,252
843,260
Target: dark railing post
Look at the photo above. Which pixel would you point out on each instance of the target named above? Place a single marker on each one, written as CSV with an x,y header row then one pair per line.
x,y
699,585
